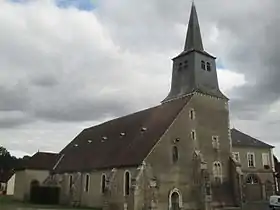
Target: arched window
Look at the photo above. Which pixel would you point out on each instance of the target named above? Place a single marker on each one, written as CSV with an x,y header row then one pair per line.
x,y
126,183
203,65
87,183
252,179
217,171
70,181
103,183
186,65
180,66
208,66
34,183
175,154
175,200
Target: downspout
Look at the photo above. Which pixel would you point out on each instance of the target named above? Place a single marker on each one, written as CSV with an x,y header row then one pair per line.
x,y
273,171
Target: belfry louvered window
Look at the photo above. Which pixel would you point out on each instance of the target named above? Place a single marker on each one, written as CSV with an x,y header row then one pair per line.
x,y
203,65
186,64
208,66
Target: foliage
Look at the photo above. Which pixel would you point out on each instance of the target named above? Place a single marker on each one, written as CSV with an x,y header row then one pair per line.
x,y
8,162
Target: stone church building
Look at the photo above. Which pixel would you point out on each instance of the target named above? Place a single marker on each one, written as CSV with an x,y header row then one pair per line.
x,y
174,156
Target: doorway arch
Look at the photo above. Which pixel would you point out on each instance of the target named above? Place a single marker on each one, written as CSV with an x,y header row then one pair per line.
x,y
34,183
175,200
253,188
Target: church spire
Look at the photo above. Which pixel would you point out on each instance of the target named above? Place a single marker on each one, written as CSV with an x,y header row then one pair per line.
x,y
194,70
193,39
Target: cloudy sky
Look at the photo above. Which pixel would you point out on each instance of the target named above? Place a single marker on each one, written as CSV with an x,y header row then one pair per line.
x,y
69,64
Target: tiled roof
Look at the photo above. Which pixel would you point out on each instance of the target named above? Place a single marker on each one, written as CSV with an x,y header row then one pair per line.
x,y
41,161
242,139
121,142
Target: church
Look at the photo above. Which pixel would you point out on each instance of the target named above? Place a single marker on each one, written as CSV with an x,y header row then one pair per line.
x,y
177,155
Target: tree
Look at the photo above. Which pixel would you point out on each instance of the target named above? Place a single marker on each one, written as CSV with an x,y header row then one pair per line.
x,y
8,162
4,151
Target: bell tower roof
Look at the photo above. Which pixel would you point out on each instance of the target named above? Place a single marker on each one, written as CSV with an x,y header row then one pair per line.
x,y
194,70
193,39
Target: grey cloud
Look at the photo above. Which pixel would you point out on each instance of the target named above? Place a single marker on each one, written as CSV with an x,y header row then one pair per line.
x,y
76,70
255,53
44,81
11,119
13,98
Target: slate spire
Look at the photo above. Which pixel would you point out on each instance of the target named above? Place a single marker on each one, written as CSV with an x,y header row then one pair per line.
x,y
193,39
194,70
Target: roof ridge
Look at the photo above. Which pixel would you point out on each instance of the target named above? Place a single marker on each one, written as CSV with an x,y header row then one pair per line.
x,y
121,117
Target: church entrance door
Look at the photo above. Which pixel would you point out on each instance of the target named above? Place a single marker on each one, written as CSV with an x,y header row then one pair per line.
x,y
175,201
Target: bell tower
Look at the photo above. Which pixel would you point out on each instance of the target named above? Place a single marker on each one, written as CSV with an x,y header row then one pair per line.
x,y
194,69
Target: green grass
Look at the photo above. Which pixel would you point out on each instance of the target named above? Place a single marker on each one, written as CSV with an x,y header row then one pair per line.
x,y
8,203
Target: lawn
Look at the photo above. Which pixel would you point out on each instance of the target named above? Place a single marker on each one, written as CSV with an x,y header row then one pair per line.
x,y
8,203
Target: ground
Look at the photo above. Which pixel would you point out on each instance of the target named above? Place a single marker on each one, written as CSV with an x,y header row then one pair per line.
x,y
7,203
257,206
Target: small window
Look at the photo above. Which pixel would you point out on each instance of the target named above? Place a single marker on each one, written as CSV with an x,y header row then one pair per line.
x,y
126,183
235,156
203,65
192,114
175,154
103,183
208,66
193,135
215,142
87,183
251,160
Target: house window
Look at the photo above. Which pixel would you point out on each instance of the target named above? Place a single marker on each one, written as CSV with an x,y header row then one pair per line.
x,y
208,66
215,142
235,156
103,183
126,183
193,135
203,65
175,154
217,171
265,160
87,183
251,160
192,114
